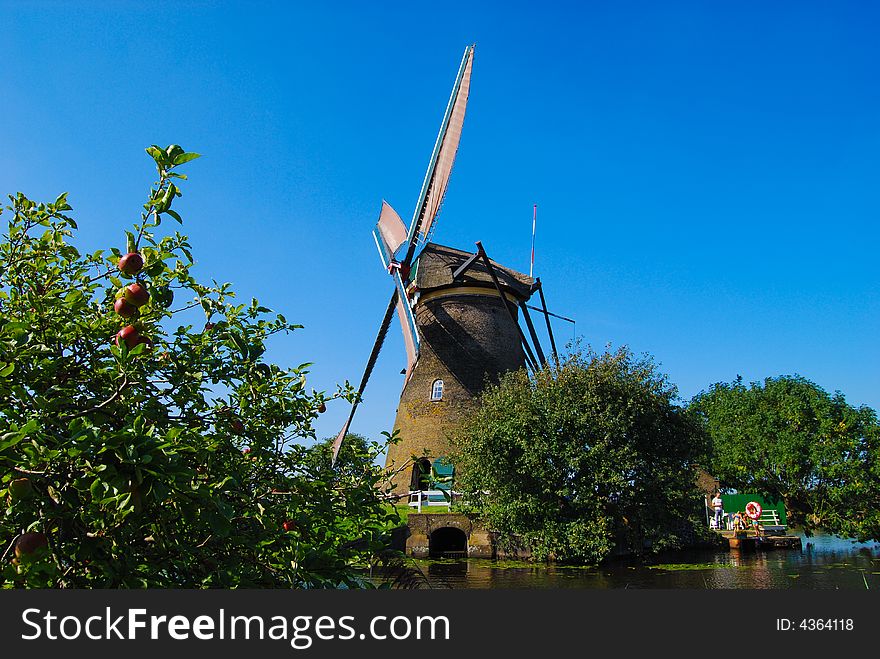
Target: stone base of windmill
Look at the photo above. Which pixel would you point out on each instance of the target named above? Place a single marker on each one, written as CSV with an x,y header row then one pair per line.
x,y
452,535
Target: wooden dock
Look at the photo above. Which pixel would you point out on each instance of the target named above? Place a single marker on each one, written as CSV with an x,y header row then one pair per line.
x,y
747,540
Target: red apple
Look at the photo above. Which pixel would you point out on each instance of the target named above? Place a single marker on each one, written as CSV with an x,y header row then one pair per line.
x,y
129,334
209,327
131,263
289,525
237,425
322,408
29,546
137,294
124,308
246,450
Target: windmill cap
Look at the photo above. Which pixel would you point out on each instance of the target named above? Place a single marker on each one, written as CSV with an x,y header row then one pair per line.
x,y
436,263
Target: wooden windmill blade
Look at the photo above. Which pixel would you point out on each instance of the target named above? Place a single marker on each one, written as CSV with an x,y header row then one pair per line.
x,y
442,158
410,336
371,362
392,236
389,234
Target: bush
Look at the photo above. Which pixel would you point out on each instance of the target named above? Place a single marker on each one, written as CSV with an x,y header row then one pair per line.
x,y
582,456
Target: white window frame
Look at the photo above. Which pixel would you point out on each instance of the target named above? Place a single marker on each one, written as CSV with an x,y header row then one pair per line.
x,y
434,389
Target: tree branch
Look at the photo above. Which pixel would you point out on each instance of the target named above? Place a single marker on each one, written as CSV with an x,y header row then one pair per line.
x,y
99,406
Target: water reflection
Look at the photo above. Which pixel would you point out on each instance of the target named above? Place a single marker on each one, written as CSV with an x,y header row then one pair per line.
x,y
825,562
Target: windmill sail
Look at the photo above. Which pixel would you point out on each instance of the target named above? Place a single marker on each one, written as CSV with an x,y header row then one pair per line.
x,y
407,322
443,157
371,362
390,233
408,337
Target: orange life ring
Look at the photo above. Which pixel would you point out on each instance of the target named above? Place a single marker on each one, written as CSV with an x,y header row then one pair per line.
x,y
753,509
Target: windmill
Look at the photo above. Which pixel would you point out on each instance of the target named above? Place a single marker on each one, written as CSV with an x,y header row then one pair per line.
x,y
459,312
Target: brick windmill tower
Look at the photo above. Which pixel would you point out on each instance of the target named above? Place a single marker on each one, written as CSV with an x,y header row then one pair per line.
x,y
460,316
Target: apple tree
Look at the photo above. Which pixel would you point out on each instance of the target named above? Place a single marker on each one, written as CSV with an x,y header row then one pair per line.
x,y
144,440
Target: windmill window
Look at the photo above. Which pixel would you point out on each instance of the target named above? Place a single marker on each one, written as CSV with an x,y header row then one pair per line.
x,y
437,390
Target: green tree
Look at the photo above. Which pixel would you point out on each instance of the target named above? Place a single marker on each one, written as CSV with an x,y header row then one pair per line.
x,y
789,439
356,454
168,456
582,456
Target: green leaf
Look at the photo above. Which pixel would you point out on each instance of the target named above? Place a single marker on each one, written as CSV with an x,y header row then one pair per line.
x,y
174,214
185,157
61,202
71,299
7,369
239,343
96,488
173,151
162,296
10,439
15,327
138,349
130,242
167,198
157,154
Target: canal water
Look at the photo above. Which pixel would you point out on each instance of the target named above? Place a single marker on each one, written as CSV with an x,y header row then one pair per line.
x,y
825,562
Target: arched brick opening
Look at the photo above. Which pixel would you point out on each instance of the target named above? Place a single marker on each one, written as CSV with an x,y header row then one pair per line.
x,y
420,477
448,542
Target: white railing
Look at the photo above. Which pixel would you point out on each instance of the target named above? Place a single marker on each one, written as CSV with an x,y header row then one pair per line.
x,y
419,498
769,519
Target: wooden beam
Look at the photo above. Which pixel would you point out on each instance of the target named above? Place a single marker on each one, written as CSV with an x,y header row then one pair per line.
x,y
465,266
547,318
534,334
530,358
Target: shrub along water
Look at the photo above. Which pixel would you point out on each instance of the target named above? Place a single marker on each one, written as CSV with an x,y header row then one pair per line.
x,y
583,456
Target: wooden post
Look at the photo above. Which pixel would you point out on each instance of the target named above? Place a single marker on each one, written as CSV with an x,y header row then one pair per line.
x,y
530,358
534,335
547,318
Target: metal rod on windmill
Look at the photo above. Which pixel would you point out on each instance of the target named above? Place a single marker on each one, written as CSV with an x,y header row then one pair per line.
x,y
534,226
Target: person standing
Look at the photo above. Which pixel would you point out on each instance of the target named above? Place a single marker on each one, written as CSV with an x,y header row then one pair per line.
x,y
718,505
739,521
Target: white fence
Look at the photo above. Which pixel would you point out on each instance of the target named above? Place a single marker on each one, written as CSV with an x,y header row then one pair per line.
x,y
769,519
419,498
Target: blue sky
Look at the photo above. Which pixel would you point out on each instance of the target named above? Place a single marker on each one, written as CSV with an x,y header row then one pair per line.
x,y
706,173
